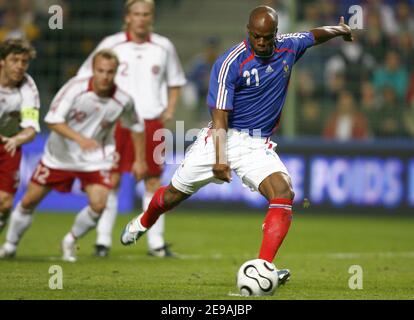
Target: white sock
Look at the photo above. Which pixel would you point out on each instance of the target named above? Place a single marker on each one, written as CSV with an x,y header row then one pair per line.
x,y
155,235
20,221
69,238
107,221
85,220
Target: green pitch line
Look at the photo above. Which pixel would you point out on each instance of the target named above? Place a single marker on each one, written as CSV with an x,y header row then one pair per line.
x,y
319,250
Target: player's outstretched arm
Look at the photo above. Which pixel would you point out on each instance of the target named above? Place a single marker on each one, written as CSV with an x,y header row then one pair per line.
x,y
323,34
85,143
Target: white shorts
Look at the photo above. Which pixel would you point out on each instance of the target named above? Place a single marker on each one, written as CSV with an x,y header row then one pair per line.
x,y
253,159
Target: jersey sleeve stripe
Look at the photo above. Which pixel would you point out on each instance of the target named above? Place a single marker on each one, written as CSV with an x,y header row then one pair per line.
x,y
59,98
220,95
227,62
224,100
221,98
32,86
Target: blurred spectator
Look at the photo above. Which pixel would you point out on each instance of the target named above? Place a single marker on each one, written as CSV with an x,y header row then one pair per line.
x,y
388,120
405,45
353,62
369,103
310,118
408,118
311,17
385,13
392,74
404,17
373,37
199,73
11,27
410,91
329,12
18,21
334,86
306,86
346,123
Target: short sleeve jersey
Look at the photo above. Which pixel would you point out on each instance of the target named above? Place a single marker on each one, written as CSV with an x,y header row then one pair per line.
x,y
145,71
19,107
255,89
77,105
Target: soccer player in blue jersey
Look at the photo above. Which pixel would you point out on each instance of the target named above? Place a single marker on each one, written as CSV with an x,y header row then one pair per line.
x,y
248,88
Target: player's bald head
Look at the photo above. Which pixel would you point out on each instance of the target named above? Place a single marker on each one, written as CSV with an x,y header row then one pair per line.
x,y
263,18
262,30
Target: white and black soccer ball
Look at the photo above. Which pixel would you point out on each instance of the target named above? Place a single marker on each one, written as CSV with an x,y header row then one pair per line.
x,y
257,278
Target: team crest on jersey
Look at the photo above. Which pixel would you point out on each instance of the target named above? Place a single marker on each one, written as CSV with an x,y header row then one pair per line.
x,y
156,70
286,69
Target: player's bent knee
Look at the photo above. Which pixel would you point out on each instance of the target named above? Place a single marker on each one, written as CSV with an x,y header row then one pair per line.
x,y
284,191
98,206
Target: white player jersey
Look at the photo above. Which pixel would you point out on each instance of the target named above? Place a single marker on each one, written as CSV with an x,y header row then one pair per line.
x,y
19,107
145,72
77,105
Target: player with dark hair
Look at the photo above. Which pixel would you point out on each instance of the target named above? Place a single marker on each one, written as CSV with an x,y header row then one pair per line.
x,y
19,116
248,88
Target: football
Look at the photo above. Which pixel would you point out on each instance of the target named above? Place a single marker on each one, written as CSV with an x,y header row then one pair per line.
x,y
257,278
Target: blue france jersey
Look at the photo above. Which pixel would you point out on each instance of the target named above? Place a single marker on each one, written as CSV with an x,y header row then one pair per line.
x,y
255,89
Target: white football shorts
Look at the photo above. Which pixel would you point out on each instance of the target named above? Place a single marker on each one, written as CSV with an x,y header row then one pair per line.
x,y
253,159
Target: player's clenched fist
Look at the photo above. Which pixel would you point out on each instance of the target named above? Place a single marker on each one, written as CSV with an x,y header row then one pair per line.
x,y
222,172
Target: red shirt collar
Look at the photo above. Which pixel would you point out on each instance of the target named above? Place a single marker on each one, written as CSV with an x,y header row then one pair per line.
x,y
129,37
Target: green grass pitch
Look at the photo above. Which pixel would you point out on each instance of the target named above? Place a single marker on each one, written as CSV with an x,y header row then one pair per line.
x,y
319,250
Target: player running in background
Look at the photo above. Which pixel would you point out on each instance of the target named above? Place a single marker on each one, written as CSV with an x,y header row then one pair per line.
x,y
151,73
19,116
247,92
82,118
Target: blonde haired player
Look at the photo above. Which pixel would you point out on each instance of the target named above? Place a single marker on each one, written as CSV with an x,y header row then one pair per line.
x,y
151,73
82,118
19,116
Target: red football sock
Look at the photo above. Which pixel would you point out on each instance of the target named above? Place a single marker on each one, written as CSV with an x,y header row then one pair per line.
x,y
155,208
275,227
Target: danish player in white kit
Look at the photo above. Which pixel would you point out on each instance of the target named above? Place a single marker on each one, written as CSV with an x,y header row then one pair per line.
x,y
151,73
81,146
19,116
